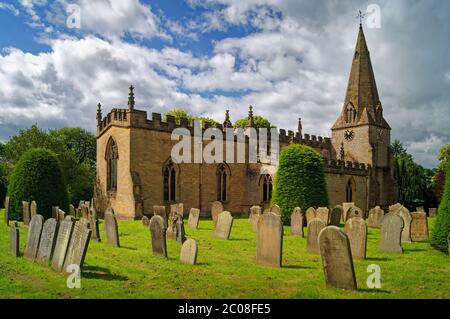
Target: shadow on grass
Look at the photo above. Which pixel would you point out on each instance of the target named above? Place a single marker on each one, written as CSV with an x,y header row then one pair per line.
x,y
129,248
95,272
374,290
378,259
203,264
239,239
411,250
296,267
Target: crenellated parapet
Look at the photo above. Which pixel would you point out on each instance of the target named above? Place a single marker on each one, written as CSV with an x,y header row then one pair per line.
x,y
346,167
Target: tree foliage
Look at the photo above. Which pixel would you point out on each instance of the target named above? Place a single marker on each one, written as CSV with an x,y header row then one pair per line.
x,y
299,181
442,226
258,121
179,114
3,182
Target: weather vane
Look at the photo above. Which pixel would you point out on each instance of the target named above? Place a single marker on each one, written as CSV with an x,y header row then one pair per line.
x,y
361,16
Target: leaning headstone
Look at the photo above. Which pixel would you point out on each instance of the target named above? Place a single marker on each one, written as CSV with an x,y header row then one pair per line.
x,y
323,213
145,221
337,259
62,243
79,244
33,237
72,210
161,211
356,230
276,210
336,215
216,209
269,241
432,212
61,215
33,209
419,226
194,216
391,233
310,214
345,207
93,224
189,252
223,226
255,214
47,243
354,211
404,213
313,229
111,230
375,217
14,239
158,236
26,213
7,209
297,222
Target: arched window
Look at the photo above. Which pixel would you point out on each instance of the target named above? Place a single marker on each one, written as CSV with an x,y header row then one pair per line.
x,y
170,178
112,155
222,183
349,192
350,114
267,188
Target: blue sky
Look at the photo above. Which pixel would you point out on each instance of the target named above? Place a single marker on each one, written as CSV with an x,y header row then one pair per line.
x,y
287,58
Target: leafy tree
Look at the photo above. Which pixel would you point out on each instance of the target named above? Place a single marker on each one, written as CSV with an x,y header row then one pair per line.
x,y
3,182
299,181
38,176
439,175
179,114
206,120
80,142
442,227
258,121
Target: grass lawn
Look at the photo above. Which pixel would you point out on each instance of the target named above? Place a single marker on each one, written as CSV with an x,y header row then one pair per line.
x,y
225,269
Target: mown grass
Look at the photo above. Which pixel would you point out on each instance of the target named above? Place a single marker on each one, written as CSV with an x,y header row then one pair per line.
x,y
225,269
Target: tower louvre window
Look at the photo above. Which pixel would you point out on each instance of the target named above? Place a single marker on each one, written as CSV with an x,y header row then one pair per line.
x,y
112,155
267,188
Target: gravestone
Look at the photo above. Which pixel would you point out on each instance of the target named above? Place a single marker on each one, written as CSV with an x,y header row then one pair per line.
x,y
81,202
69,217
432,212
85,211
354,211
26,213
7,209
313,230
61,215
33,237
223,226
14,239
181,234
33,209
394,208
158,236
178,209
172,230
255,214
336,215
297,222
111,230
337,259
323,213
276,210
79,243
216,209
47,243
55,212
391,233
375,217
62,243
93,225
269,240
404,213
310,215
345,207
420,209
145,221
72,210
356,230
419,226
189,252
161,211
194,216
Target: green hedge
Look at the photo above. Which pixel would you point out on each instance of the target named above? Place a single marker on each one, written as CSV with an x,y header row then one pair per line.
x,y
299,181
3,182
442,227
37,176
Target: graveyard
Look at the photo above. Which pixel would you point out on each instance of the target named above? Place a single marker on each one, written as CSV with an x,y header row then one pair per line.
x,y
224,268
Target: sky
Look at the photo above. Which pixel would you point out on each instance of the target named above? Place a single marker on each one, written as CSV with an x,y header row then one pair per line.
x,y
286,58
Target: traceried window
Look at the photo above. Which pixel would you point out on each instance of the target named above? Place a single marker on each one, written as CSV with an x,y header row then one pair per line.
x,y
267,188
349,192
112,155
350,114
222,182
170,178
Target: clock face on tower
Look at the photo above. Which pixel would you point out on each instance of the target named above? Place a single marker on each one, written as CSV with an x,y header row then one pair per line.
x,y
349,135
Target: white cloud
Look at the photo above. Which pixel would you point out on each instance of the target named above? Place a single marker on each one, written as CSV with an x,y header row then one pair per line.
x,y
9,7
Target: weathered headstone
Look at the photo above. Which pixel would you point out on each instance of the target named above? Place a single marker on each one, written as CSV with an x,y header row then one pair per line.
x,y
391,233
269,241
55,212
61,215
69,217
394,208
356,230
336,215
432,212
189,252
420,209
375,217
337,259
33,237
194,216
178,209
181,234
145,221
7,209
26,213
345,207
404,213
62,243
14,239
85,211
354,211
79,244
224,225
158,236
111,230
161,211
33,209
172,230
323,213
313,230
276,210
93,225
216,209
47,243
81,202
310,214
297,222
255,214
72,210
419,226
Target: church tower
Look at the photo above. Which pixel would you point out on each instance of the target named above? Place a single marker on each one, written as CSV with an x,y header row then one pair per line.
x,y
361,134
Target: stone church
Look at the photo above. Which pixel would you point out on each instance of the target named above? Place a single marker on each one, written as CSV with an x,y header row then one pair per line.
x,y
135,170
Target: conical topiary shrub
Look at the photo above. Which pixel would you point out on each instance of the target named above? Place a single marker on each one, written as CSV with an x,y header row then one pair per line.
x,y
442,227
